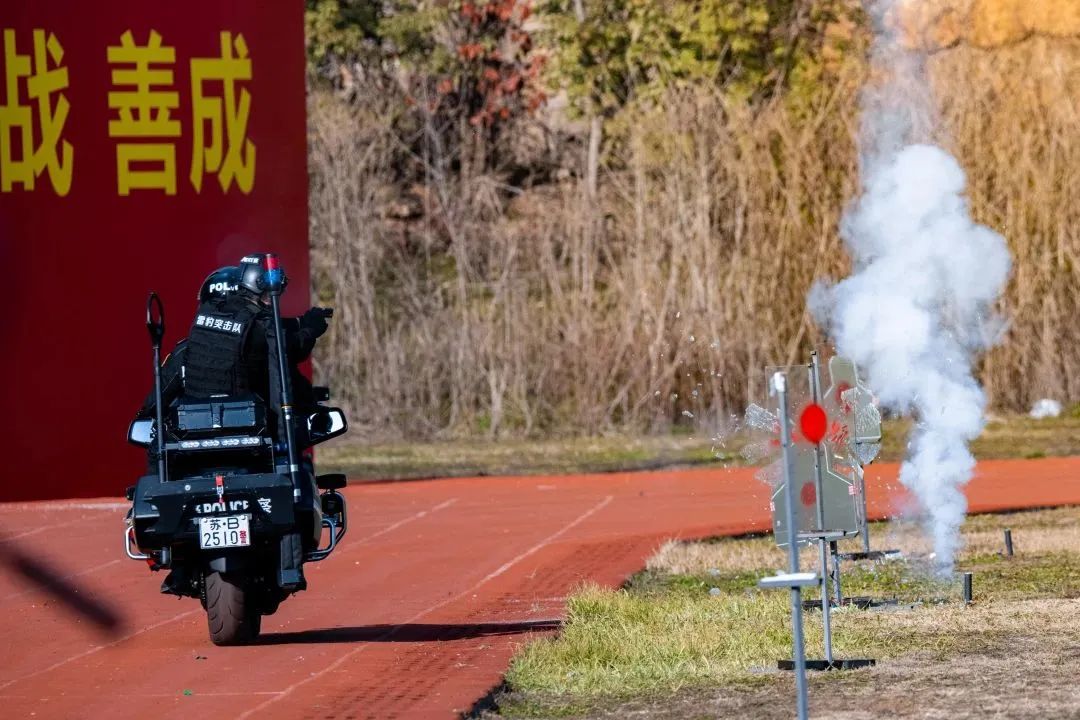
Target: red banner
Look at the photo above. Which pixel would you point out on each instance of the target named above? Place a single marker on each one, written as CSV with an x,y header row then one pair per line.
x,y
142,145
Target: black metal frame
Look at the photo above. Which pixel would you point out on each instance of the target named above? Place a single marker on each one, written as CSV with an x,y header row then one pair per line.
x,y
156,329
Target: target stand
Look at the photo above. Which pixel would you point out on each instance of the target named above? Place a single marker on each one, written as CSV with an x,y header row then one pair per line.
x,y
874,555
824,538
862,602
825,665
815,499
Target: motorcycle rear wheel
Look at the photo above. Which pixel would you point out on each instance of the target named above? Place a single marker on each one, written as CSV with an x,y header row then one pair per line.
x,y
231,613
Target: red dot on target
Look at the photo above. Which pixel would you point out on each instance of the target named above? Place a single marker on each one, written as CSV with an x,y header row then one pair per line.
x,y
813,423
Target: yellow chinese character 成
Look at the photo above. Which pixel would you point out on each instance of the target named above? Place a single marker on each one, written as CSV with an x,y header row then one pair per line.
x,y
23,162
143,111
236,160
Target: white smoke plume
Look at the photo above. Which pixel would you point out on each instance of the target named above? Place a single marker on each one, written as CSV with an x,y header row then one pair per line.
x,y
918,307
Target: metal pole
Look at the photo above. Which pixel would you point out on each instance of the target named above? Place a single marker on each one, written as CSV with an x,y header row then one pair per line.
x,y
276,279
835,552
156,328
159,420
780,385
286,395
1008,543
967,588
823,554
860,476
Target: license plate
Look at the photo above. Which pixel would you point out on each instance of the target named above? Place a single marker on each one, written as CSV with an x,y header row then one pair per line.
x,y
224,532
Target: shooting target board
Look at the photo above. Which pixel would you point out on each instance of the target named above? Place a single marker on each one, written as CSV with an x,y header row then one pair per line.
x,y
844,420
856,419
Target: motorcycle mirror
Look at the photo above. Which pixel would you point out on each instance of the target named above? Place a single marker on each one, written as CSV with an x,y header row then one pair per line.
x,y
331,481
141,432
325,424
155,319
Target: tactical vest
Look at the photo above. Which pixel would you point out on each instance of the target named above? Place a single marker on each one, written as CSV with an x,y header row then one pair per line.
x,y
215,362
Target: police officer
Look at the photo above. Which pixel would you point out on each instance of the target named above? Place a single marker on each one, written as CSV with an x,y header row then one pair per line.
x,y
230,346
231,350
235,358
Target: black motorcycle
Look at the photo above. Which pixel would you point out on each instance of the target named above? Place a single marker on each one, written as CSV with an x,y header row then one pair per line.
x,y
233,512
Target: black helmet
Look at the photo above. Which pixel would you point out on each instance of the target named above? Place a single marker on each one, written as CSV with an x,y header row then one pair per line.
x,y
221,282
253,273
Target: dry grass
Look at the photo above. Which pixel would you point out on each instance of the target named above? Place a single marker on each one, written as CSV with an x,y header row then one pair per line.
x,y
1011,114
1041,533
1018,662
471,306
1006,436
1022,666
726,556
515,456
1034,534
665,647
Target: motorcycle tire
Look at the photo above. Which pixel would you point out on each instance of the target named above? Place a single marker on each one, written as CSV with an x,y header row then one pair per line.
x,y
231,614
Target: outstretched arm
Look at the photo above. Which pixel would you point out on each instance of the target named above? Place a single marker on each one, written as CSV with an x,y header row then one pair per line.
x,y
302,332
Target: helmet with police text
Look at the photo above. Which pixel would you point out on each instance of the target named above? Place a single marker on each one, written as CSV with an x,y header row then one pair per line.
x,y
258,271
220,283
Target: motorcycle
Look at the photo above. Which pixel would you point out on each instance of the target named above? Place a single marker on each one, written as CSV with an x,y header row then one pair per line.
x,y
232,511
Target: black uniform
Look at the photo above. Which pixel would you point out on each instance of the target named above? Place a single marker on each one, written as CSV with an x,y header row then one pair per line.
x,y
231,350
227,351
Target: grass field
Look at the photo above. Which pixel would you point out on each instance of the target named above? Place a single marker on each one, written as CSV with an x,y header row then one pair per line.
x,y
692,637
1004,437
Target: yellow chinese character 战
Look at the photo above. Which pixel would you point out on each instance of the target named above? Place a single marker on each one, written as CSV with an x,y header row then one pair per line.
x,y
236,160
143,111
23,163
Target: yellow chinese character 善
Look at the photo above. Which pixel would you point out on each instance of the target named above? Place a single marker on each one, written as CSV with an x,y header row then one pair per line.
x,y
225,150
144,107
24,162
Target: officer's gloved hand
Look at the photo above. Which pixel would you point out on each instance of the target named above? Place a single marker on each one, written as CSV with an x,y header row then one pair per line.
x,y
314,321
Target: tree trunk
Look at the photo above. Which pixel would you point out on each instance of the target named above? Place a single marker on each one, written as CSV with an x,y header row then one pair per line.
x,y
592,157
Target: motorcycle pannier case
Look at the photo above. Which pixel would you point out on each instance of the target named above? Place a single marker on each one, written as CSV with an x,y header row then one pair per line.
x,y
239,414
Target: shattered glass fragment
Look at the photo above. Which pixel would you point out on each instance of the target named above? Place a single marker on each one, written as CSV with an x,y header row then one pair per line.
x,y
756,450
771,474
761,419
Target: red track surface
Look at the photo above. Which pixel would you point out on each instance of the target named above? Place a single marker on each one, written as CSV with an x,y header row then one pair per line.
x,y
415,616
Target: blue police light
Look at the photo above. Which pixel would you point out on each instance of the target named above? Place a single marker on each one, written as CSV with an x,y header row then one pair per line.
x,y
275,275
